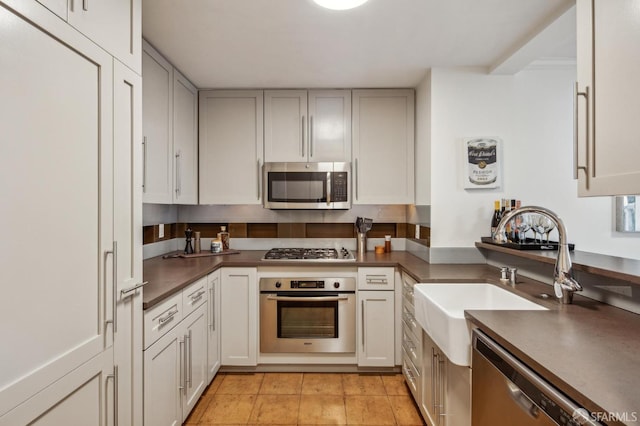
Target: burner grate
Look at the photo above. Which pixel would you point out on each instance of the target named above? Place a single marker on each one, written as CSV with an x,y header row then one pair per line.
x,y
307,254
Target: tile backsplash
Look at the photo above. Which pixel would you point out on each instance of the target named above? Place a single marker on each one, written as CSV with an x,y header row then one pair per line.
x,y
254,221
282,230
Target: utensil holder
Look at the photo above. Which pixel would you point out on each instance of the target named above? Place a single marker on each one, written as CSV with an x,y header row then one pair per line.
x,y
361,243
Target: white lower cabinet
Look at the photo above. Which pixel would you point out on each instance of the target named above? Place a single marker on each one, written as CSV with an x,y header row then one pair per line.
x,y
376,333
411,339
213,326
194,361
175,371
162,380
239,316
445,388
375,318
176,363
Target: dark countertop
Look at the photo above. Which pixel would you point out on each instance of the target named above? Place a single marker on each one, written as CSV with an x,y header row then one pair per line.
x,y
599,264
167,276
589,350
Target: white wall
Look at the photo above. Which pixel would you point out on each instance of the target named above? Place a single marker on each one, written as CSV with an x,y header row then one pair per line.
x,y
533,114
423,141
258,214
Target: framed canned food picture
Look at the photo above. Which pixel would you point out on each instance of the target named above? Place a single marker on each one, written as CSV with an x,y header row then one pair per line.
x,y
482,158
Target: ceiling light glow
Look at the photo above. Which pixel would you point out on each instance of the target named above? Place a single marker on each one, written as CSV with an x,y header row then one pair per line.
x,y
340,4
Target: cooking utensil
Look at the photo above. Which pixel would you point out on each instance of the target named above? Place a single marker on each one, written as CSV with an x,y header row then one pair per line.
x,y
363,224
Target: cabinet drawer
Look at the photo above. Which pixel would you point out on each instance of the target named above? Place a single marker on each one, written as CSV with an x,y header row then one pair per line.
x,y
411,375
376,278
194,296
413,348
407,288
410,321
407,294
162,318
408,303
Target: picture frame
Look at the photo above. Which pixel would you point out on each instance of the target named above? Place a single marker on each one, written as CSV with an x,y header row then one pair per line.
x,y
481,162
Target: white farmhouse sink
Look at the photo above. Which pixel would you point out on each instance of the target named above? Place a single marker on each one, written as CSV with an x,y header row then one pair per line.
x,y
439,308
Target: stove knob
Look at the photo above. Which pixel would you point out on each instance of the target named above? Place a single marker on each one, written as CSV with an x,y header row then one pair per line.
x,y
278,284
336,284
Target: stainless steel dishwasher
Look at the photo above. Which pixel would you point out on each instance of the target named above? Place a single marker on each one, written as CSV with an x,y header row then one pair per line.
x,y
506,392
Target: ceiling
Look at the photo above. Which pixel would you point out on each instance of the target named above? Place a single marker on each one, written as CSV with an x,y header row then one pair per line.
x,y
385,43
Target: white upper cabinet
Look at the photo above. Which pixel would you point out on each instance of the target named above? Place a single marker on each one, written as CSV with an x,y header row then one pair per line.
x,y
115,25
383,146
285,125
311,126
185,140
170,132
330,125
607,147
231,146
157,127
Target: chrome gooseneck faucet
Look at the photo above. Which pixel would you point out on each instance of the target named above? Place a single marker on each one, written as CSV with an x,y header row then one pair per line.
x,y
564,285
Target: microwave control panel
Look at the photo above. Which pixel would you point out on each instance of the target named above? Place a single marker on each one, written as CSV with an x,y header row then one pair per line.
x,y
339,185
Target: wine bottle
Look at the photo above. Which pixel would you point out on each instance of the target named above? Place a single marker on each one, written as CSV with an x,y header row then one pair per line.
x,y
495,219
507,209
513,236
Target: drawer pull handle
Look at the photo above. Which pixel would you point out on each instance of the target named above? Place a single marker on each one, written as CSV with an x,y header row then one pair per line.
x,y
197,297
169,317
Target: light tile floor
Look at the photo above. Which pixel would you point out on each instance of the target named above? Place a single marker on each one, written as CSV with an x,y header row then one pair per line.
x,y
306,399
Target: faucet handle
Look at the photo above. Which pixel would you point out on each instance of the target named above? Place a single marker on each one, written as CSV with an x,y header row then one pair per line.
x,y
564,287
504,273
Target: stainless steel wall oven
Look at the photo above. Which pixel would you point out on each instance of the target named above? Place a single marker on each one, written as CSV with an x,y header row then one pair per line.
x,y
313,315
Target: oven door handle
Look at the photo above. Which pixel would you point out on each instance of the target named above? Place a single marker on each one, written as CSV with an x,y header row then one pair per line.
x,y
309,298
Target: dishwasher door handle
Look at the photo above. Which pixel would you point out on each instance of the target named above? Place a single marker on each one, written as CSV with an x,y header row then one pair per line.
x,y
522,400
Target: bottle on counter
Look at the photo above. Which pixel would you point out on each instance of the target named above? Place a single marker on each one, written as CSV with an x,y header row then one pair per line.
x,y
518,225
387,243
223,236
513,236
507,209
188,249
196,242
495,219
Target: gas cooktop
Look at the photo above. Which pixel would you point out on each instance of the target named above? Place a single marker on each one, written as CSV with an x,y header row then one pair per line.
x,y
309,254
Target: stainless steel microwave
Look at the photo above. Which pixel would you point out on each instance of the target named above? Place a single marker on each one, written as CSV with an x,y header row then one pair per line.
x,y
319,186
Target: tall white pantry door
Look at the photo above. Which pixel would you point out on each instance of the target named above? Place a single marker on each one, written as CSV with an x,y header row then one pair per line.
x,y
56,187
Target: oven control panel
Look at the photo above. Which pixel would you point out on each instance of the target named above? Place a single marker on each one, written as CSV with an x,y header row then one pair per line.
x,y
307,284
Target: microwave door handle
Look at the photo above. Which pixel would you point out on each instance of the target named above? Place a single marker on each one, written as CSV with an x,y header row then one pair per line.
x,y
328,188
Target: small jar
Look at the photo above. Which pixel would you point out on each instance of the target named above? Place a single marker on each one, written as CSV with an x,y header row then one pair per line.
x,y
216,246
387,243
